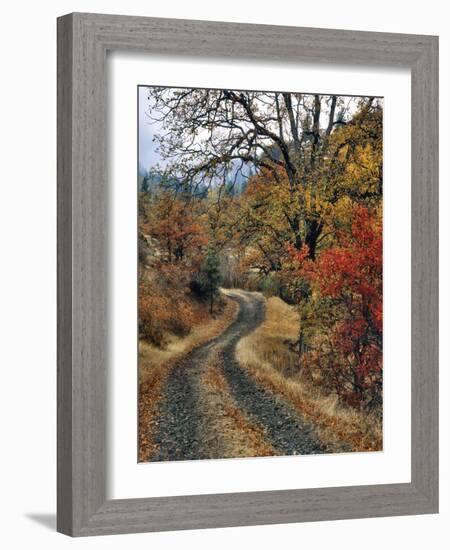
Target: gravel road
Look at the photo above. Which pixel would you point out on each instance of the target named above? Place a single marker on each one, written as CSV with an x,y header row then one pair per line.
x,y
182,421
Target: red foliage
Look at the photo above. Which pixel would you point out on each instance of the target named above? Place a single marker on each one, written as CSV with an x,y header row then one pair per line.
x,y
350,274
353,270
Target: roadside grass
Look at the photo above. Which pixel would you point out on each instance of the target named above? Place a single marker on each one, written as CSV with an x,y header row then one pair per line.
x,y
267,357
155,364
231,434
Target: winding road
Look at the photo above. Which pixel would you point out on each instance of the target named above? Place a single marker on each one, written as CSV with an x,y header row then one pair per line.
x,y
182,421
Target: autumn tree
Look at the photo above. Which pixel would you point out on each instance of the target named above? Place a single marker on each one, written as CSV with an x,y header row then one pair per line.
x,y
173,223
213,137
346,310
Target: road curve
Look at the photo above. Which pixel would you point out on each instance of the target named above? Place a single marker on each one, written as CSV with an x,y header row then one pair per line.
x,y
181,420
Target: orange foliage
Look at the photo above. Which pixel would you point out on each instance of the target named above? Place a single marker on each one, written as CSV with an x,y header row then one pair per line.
x,y
172,224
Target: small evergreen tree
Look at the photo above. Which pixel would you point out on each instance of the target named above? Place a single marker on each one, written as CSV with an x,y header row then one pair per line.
x,y
209,279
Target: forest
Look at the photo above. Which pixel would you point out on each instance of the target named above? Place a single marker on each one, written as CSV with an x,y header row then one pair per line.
x,y
260,236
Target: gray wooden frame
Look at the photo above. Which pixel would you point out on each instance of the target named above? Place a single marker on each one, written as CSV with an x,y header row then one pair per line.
x,y
83,40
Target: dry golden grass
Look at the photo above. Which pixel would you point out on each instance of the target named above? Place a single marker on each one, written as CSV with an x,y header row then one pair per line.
x,y
230,433
155,365
266,355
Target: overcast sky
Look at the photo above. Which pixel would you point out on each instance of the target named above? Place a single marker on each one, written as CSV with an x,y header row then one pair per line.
x,y
147,128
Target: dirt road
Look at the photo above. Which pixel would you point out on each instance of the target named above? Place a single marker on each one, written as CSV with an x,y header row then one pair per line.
x,y
183,420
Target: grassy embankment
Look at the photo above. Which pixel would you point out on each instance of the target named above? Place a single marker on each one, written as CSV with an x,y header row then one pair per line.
x,y
271,362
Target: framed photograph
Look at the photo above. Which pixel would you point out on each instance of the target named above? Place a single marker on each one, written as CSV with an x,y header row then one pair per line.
x,y
247,274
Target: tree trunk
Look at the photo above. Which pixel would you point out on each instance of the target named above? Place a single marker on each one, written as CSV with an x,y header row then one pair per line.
x,y
313,233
